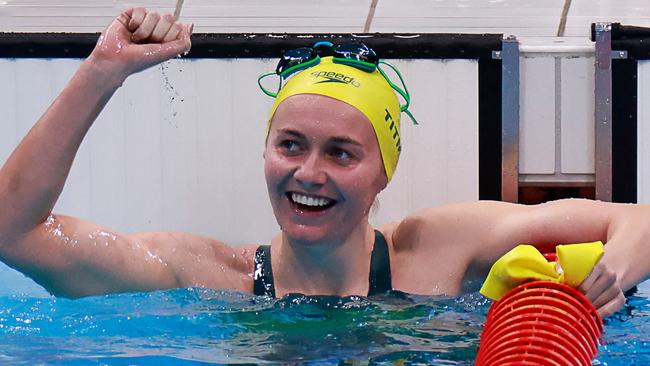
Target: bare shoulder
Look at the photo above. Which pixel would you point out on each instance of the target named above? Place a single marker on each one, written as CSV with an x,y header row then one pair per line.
x,y
432,249
202,261
449,249
456,221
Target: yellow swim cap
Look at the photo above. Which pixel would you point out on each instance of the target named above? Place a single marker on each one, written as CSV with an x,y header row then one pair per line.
x,y
369,92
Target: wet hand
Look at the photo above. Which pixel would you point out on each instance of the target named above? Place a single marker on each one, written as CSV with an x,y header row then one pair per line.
x,y
603,289
138,39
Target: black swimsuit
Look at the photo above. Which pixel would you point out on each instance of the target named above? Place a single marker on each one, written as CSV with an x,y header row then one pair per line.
x,y
380,279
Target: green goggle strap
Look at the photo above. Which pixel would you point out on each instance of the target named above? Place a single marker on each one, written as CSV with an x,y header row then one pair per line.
x,y
295,68
365,66
404,93
264,90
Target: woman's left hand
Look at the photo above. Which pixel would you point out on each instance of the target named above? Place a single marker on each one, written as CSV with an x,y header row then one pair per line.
x,y
603,289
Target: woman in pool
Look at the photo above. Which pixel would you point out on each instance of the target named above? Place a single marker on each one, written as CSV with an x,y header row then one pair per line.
x,y
325,161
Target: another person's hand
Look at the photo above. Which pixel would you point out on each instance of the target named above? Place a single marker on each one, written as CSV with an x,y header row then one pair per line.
x,y
603,289
138,39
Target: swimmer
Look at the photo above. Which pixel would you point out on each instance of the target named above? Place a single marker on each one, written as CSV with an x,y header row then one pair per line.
x,y
328,154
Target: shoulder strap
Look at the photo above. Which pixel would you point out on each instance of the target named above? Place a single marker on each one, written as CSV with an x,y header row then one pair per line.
x,y
380,278
263,275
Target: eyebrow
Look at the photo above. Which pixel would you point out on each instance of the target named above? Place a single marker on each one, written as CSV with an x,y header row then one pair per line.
x,y
291,132
335,139
345,140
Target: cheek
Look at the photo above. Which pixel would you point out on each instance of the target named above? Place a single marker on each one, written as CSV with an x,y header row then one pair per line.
x,y
376,176
367,185
270,165
276,167
270,168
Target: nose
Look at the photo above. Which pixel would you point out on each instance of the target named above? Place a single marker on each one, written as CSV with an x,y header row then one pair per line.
x,y
311,173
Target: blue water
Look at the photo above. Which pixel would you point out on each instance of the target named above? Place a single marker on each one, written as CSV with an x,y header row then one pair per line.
x,y
206,327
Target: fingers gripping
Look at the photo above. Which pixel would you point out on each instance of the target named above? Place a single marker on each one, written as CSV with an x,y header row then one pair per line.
x,y
151,27
612,306
132,18
144,30
600,281
161,52
138,39
162,28
173,33
170,37
603,290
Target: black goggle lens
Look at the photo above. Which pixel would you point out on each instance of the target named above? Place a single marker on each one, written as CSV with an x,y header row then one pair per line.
x,y
351,51
353,54
356,51
295,57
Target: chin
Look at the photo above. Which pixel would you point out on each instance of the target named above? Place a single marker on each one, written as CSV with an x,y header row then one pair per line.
x,y
334,225
308,235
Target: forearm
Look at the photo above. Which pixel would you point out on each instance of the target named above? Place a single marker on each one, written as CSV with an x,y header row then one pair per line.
x,y
32,178
627,250
491,229
625,230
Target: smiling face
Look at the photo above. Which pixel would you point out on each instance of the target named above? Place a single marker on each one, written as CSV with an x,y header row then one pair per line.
x,y
323,168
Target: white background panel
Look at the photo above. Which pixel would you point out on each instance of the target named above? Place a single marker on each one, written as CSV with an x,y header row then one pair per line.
x,y
643,126
179,147
107,146
80,180
537,115
8,94
439,161
577,115
143,145
462,132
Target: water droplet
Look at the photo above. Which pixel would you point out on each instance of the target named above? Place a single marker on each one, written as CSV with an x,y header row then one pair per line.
x,y
172,93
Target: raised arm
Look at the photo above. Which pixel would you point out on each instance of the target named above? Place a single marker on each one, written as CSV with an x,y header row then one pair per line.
x,y
67,255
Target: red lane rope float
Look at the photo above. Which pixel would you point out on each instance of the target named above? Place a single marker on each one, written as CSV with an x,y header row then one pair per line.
x,y
540,323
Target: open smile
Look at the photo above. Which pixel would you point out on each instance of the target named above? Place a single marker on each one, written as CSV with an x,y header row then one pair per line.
x,y
305,202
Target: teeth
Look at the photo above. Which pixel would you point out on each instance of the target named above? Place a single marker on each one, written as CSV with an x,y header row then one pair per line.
x,y
309,201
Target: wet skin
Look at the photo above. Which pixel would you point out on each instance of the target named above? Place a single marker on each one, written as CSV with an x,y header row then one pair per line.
x,y
324,149
323,169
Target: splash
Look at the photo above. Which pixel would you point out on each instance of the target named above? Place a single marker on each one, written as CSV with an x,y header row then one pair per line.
x,y
55,228
154,257
172,94
102,237
151,256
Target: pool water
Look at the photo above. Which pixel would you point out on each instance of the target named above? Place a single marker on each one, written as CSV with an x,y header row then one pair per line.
x,y
207,327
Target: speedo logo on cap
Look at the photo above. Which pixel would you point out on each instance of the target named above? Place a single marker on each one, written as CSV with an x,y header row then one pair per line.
x,y
335,77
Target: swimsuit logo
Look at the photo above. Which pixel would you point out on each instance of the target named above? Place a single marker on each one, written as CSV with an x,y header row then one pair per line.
x,y
335,77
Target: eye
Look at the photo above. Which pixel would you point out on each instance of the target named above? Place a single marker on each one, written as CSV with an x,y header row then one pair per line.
x,y
340,154
289,146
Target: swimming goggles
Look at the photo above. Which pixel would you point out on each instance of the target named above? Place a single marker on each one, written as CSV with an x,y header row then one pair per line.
x,y
356,55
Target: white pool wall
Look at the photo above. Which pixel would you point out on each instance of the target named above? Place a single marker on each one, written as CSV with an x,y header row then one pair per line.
x,y
643,131
179,147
